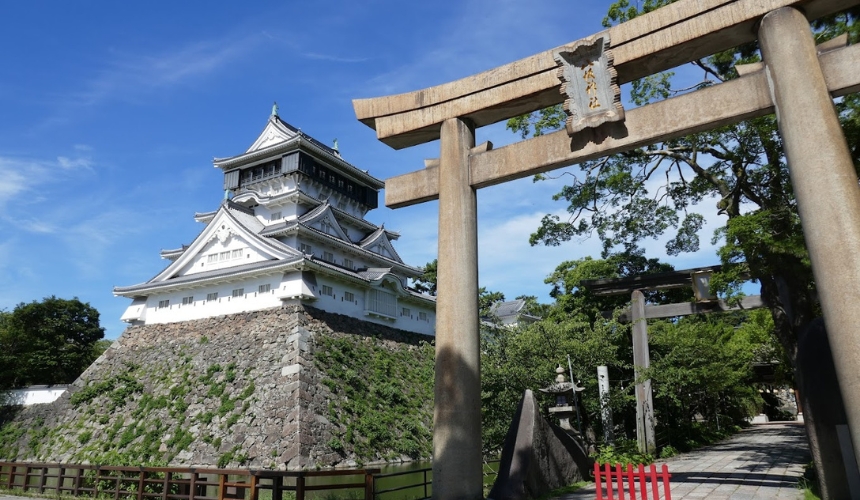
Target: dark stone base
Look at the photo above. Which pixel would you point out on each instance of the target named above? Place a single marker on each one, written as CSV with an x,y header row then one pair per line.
x,y
537,456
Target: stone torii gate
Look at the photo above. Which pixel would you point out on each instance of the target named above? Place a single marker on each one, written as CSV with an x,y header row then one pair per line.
x,y
796,80
639,313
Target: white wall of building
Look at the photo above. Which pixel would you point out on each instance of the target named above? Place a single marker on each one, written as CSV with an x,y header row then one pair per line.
x,y
33,395
214,300
338,302
220,255
332,295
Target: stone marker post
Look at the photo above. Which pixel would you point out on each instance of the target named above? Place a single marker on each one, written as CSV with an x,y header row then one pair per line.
x,y
825,184
605,408
457,460
641,361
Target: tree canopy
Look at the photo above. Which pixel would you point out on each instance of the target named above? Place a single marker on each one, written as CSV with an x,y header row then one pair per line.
x,y
740,169
700,366
48,342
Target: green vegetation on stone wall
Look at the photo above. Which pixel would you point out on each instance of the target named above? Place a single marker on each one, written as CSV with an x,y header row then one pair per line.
x,y
137,415
382,396
168,395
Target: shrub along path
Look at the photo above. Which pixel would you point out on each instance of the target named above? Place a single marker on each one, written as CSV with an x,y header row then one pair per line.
x,y
765,461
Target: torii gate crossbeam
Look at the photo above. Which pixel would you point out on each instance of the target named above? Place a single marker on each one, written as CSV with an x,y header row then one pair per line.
x,y
794,81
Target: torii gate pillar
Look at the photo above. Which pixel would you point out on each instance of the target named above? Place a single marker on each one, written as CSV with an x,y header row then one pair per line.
x,y
457,460
645,435
825,185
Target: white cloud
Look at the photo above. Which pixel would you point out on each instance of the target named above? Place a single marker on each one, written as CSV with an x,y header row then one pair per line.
x,y
508,263
12,181
90,241
333,58
38,226
129,74
72,164
20,177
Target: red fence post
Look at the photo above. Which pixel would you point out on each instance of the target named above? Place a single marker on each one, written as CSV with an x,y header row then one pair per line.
x,y
631,481
666,488
619,478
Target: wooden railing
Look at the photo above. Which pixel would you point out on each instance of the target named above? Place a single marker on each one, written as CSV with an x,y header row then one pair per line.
x,y
422,482
172,483
419,484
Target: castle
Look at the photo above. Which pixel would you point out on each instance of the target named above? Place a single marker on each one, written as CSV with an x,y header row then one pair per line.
x,y
291,229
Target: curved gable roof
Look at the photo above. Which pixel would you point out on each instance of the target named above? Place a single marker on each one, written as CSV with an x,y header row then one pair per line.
x,y
325,214
276,131
378,242
228,221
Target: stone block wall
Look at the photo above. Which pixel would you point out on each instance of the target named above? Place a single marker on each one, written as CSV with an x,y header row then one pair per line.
x,y
234,390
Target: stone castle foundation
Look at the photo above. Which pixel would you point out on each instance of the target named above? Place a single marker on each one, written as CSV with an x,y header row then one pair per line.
x,y
243,389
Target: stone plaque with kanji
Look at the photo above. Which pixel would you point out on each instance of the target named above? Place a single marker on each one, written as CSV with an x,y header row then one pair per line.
x,y
589,83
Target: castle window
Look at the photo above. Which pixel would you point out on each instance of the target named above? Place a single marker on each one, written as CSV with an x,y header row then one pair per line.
x,y
264,288
260,172
327,290
328,256
381,302
224,255
305,248
236,254
187,300
163,303
422,316
347,263
276,216
212,296
212,258
238,292
405,312
348,296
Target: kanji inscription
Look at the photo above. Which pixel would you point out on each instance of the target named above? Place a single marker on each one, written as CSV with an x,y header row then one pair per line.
x,y
589,83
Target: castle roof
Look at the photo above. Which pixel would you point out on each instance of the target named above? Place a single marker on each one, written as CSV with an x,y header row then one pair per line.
x,y
232,219
279,137
511,311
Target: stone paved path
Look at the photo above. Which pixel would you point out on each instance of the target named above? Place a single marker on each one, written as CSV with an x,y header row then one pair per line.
x,y
765,461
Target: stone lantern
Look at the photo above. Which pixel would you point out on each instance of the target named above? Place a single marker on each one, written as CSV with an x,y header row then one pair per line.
x,y
565,399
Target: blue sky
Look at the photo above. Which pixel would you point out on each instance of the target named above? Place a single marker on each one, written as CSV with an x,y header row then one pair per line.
x,y
111,113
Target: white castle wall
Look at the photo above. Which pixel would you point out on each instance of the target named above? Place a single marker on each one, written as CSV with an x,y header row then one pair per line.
x,y
288,286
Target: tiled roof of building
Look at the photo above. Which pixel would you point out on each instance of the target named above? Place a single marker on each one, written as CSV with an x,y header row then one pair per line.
x,y
298,140
509,308
206,275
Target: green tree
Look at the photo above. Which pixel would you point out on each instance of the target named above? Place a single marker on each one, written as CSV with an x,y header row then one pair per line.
x,y
514,359
48,342
572,298
643,193
700,367
427,282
